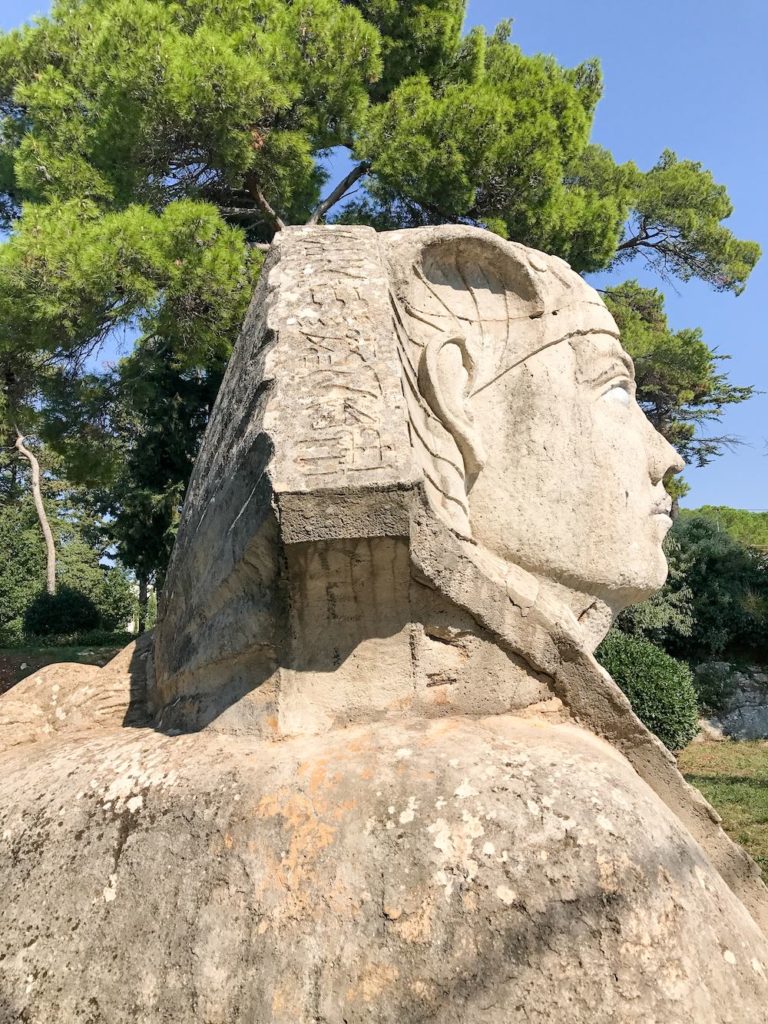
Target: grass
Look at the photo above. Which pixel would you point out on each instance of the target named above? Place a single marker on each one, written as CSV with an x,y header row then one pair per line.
x,y
734,779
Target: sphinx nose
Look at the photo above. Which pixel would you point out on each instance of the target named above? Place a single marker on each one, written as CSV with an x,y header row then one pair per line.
x,y
663,459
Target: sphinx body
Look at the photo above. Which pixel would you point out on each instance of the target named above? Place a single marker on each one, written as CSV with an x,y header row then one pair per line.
x,y
369,769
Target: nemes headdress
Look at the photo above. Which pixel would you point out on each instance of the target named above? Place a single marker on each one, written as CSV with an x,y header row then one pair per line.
x,y
502,302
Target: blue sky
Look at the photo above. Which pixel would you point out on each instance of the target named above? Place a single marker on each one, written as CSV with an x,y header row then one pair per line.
x,y
689,75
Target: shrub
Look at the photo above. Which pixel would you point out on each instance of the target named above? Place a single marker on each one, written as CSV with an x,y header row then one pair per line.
x,y
715,602
12,633
91,638
107,588
660,688
66,611
82,581
22,561
151,611
729,584
749,528
715,683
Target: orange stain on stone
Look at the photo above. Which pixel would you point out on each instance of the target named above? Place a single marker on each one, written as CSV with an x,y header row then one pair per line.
x,y
309,835
273,724
373,982
343,808
416,927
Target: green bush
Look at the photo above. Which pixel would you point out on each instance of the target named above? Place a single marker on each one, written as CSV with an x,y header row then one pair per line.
x,y
91,638
12,633
83,583
151,611
106,587
714,682
660,688
66,611
729,583
22,561
714,604
749,528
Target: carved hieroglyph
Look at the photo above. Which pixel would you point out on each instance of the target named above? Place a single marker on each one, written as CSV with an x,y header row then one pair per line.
x,y
371,770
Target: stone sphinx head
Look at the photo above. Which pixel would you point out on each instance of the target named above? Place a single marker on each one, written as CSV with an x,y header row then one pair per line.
x,y
435,388
522,406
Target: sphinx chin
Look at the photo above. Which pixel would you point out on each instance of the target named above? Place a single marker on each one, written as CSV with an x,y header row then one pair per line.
x,y
638,583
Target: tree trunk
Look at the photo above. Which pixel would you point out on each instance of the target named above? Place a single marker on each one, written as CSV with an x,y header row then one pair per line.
x,y
143,602
44,525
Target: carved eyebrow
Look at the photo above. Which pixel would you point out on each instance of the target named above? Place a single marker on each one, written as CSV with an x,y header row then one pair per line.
x,y
619,361
608,358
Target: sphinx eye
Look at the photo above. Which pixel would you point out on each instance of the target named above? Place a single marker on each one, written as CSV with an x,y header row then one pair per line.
x,y
618,392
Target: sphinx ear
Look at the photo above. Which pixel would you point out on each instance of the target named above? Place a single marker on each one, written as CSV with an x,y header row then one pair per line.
x,y
446,370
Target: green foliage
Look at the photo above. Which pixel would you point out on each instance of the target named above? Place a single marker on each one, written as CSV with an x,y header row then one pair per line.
x,y
72,274
660,688
12,633
676,224
22,563
668,615
122,101
155,456
715,602
418,38
67,611
750,528
90,595
679,385
729,583
714,682
152,610
72,643
491,145
107,588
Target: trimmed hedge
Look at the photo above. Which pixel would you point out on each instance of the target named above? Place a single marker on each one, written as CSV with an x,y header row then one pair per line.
x,y
659,687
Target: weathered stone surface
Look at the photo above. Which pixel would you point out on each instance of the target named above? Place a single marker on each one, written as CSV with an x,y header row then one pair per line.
x,y
459,870
73,698
414,795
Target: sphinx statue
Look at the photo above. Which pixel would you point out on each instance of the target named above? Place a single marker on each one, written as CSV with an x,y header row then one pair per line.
x,y
368,768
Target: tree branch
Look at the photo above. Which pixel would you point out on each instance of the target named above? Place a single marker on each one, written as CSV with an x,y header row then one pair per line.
x,y
261,199
338,192
238,211
262,202
40,509
636,240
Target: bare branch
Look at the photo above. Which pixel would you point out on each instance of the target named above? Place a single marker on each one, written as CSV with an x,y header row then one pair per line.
x,y
238,211
261,199
40,509
339,191
263,204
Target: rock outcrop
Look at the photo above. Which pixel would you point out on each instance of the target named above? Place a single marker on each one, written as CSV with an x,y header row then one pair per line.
x,y
743,702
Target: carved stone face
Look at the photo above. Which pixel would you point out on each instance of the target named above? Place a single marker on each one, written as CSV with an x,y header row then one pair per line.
x,y
572,484
521,368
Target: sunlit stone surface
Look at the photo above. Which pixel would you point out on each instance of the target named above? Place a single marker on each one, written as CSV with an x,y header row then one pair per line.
x,y
369,769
